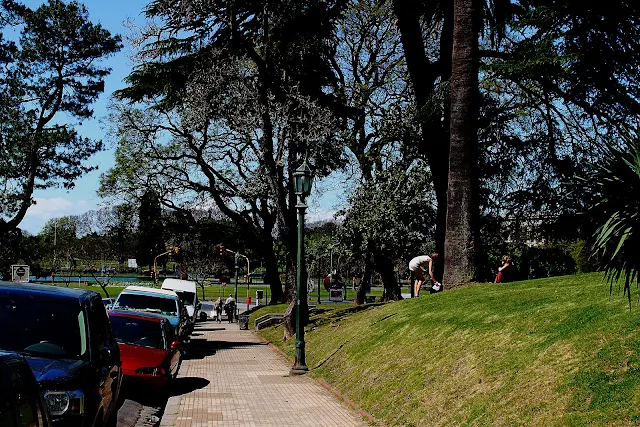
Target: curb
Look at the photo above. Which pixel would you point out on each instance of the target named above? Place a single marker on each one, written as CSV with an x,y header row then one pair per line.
x,y
345,399
172,408
364,414
278,350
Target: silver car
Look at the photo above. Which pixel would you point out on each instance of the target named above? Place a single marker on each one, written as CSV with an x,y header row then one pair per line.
x,y
207,311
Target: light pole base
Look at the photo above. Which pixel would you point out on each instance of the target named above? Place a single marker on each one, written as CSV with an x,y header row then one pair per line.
x,y
298,370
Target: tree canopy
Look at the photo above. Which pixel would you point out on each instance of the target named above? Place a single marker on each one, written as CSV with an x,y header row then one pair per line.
x,y
49,78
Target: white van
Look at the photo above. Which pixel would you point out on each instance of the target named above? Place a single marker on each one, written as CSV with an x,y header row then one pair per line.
x,y
187,292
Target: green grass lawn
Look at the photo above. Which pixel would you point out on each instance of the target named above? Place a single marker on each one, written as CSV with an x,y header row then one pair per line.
x,y
557,351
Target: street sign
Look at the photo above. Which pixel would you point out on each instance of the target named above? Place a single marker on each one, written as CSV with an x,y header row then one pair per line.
x,y
19,273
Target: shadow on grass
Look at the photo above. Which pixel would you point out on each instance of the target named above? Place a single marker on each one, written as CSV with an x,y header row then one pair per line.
x,y
320,316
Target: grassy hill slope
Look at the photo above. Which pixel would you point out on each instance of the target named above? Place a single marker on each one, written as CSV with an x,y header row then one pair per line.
x,y
558,351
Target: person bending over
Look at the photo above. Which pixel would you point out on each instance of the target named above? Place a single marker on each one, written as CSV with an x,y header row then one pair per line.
x,y
418,267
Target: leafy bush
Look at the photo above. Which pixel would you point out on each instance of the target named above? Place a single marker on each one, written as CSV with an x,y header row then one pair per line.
x,y
616,181
580,251
532,262
546,261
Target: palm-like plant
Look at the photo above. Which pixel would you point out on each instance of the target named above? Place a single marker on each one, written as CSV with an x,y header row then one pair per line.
x,y
616,181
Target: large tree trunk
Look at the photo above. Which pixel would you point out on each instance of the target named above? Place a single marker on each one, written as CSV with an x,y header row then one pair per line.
x,y
272,277
384,266
184,274
290,280
461,241
365,280
424,76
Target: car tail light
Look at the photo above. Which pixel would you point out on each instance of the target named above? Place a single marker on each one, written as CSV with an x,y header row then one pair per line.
x,y
150,371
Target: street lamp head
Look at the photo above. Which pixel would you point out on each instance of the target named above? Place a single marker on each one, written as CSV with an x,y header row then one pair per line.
x,y
302,180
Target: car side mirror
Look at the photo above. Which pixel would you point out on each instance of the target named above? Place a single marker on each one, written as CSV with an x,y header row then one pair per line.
x,y
198,306
176,345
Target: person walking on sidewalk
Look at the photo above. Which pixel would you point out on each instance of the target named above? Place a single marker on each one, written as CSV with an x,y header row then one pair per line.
x,y
219,309
230,308
418,267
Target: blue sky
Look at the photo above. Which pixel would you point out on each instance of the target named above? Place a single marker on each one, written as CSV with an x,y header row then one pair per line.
x,y
328,196
51,203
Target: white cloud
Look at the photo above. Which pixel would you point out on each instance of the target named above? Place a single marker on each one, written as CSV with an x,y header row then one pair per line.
x,y
320,215
55,207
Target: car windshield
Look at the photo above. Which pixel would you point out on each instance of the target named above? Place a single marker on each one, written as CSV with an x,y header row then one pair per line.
x,y
145,333
186,297
47,328
206,307
152,303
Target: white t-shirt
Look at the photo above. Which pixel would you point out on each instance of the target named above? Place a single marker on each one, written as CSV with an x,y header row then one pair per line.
x,y
229,300
415,263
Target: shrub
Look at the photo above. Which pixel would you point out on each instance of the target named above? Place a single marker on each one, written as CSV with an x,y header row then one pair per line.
x,y
616,181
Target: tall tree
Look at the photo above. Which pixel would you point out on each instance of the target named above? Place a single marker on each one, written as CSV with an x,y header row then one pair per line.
x,y
426,29
50,76
150,229
382,138
390,217
254,119
462,233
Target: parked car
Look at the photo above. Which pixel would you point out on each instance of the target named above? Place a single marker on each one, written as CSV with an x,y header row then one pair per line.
x,y
148,350
207,311
21,401
159,301
186,291
66,338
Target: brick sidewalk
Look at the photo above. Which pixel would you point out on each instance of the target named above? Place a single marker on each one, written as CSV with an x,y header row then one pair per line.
x,y
249,385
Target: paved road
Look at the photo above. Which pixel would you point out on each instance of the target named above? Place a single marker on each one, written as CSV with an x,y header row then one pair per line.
x,y
141,408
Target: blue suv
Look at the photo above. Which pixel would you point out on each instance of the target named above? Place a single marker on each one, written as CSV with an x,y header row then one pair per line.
x,y
21,403
66,338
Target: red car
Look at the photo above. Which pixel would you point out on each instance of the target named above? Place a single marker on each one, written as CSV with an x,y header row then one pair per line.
x,y
148,351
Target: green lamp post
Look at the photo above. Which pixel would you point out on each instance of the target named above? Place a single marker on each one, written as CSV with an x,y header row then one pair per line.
x,y
302,179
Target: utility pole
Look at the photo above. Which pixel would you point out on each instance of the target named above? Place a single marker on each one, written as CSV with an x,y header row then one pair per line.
x,y
55,244
236,293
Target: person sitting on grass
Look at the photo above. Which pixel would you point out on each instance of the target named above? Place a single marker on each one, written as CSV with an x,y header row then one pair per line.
x,y
506,272
418,266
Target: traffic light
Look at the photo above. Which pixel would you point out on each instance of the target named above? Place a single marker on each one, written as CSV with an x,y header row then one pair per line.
x,y
221,250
